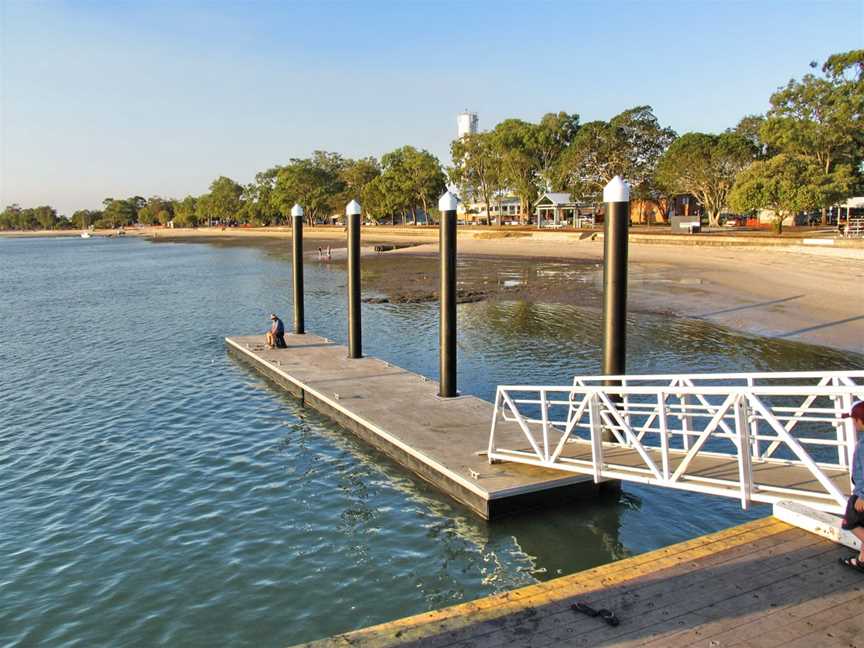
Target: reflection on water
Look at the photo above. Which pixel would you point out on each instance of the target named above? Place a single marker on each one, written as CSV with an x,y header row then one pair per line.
x,y
156,491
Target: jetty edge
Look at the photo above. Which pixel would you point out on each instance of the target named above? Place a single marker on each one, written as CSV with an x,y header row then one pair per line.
x,y
763,583
398,412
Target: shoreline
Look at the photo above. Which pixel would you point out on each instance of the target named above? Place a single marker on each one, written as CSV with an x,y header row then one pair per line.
x,y
791,292
819,237
809,294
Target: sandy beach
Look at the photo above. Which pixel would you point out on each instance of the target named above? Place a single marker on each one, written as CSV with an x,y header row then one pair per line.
x,y
811,296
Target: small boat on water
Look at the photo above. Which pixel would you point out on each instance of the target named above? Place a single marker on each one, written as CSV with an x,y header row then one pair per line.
x,y
85,234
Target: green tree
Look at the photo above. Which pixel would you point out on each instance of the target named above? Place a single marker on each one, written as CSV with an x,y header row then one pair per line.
x,y
151,211
383,198
821,118
203,209
516,143
629,145
705,166
84,218
224,201
750,127
848,66
46,217
185,212
644,142
787,185
595,156
259,204
120,212
10,217
313,183
415,173
25,219
476,169
355,175
551,138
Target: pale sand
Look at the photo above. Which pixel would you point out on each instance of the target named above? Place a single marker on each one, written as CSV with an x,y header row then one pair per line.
x,y
808,295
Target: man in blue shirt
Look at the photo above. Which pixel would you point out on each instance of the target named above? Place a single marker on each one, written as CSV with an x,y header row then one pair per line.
x,y
853,519
276,334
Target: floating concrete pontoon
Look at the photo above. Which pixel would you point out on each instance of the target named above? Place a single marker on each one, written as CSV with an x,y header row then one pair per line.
x,y
398,412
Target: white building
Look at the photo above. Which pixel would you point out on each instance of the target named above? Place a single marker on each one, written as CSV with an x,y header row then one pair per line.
x,y
503,210
467,124
558,209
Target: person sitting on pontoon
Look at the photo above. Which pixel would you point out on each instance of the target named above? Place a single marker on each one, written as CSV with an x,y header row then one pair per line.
x,y
276,334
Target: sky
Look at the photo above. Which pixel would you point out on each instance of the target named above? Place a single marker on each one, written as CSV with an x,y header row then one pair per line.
x,y
126,98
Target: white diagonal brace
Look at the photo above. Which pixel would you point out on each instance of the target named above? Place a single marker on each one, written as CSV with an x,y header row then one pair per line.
x,y
491,447
612,427
796,447
629,433
703,437
570,425
704,401
522,424
769,451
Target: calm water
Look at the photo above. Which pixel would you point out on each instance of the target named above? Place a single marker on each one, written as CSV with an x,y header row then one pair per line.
x,y
154,491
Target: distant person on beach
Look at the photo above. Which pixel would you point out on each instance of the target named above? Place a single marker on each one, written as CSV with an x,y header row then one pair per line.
x,y
276,334
853,519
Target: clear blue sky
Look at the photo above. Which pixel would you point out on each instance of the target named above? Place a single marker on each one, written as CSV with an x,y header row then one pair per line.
x,y
122,98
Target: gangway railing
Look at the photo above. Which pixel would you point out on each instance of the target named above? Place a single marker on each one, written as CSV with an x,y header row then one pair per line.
x,y
760,437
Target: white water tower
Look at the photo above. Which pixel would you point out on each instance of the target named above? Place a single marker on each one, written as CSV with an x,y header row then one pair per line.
x,y
466,123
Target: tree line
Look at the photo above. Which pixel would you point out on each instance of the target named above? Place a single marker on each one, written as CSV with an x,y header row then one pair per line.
x,y
404,182
804,154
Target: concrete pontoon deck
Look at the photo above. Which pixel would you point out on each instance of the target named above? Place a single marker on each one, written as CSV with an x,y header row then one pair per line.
x,y
398,412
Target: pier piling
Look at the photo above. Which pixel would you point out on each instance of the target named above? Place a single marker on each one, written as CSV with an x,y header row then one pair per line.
x,y
447,330
297,266
616,195
355,345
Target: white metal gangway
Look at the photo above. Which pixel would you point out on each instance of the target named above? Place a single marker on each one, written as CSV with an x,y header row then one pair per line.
x,y
760,437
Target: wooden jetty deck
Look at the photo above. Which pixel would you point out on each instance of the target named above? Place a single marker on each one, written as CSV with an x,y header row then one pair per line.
x,y
759,585
399,412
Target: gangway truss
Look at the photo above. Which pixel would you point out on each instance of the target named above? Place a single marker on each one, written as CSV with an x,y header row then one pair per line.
x,y
759,437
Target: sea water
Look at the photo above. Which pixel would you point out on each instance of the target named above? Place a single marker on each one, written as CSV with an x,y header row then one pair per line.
x,y
156,491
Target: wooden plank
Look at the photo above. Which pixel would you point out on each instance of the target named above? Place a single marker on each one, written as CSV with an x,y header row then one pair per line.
x,y
643,587
496,607
779,626
841,626
767,577
780,603
703,591
677,556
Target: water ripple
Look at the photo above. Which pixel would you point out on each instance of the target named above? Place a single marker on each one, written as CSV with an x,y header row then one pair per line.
x,y
157,492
